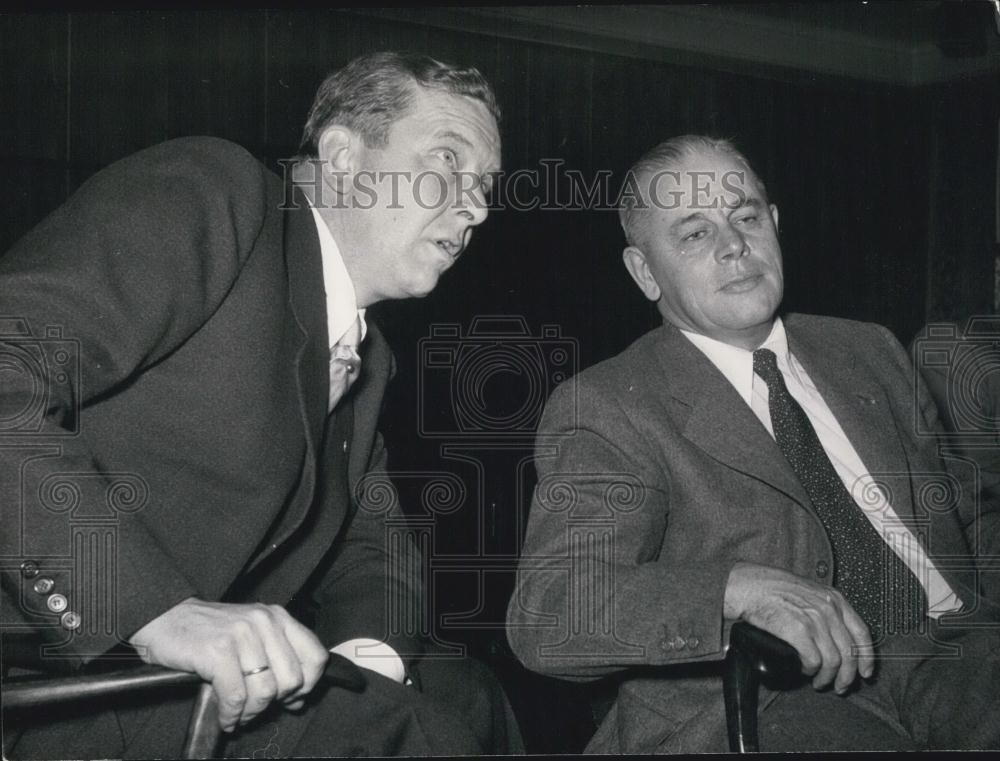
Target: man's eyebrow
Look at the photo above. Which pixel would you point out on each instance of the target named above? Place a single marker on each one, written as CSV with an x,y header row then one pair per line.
x,y
696,215
751,202
456,137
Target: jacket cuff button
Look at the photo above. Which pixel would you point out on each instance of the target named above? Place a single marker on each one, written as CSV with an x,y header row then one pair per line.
x,y
44,585
693,642
57,603
70,620
666,645
29,569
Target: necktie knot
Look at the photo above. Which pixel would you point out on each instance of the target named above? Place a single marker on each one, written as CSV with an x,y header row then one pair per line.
x,y
765,364
345,363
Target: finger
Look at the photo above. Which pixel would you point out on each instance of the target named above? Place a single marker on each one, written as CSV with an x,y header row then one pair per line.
x,y
862,647
227,682
309,651
285,667
844,642
296,705
797,632
260,686
829,652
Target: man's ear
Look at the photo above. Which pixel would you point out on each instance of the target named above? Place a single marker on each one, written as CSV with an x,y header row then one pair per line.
x,y
774,216
638,268
339,149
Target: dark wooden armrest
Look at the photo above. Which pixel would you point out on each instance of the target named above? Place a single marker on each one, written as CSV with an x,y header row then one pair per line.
x,y
203,731
30,692
203,728
752,652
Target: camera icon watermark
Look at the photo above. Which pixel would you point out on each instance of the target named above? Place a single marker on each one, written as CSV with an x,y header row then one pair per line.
x,y
38,373
963,368
492,381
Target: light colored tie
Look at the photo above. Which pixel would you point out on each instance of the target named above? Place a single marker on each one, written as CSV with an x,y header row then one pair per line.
x,y
345,363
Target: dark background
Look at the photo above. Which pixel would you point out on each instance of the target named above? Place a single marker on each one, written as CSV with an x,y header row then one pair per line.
x,y
887,191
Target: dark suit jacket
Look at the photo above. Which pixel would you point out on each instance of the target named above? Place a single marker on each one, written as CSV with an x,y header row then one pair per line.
x,y
183,386
655,477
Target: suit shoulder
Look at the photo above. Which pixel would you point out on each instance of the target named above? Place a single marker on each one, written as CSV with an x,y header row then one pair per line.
x,y
819,322
212,161
179,188
614,376
836,328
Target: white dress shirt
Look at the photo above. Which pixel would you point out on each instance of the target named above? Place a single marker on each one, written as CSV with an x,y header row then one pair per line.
x,y
341,311
736,364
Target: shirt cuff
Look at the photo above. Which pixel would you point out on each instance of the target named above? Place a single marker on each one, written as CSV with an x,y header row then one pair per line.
x,y
375,656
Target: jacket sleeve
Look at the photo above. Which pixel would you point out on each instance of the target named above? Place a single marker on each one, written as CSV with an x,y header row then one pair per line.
x,y
103,289
593,595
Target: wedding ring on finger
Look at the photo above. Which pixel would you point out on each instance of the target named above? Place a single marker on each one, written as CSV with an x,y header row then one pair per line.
x,y
258,670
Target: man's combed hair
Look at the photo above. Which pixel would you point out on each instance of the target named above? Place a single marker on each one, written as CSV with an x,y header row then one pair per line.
x,y
373,91
660,158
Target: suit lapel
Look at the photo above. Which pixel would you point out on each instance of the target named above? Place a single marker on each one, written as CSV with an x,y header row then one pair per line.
x,y
720,423
860,405
308,300
307,297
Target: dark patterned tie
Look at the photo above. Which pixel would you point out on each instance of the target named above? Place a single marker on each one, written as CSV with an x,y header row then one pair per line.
x,y
873,578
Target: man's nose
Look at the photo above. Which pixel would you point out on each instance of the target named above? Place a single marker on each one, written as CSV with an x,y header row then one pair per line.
x,y
732,244
471,203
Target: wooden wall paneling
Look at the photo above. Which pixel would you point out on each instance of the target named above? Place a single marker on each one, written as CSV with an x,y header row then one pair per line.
x,y
893,213
629,119
119,87
547,277
33,82
33,93
215,76
963,198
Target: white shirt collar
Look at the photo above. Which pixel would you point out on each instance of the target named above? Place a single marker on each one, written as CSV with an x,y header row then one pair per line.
x,y
341,300
736,364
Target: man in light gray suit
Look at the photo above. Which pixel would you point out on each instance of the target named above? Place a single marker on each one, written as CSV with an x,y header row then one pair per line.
x,y
733,464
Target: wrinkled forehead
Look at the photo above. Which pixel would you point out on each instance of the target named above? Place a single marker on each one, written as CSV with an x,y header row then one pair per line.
x,y
701,179
465,119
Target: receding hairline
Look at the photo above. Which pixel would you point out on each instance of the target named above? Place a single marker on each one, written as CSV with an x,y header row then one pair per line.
x,y
668,156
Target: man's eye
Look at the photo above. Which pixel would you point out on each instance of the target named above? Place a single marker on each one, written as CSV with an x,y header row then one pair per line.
x,y
448,156
749,219
696,235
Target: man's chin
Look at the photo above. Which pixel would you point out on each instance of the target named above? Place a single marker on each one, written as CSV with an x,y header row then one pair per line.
x,y
750,320
421,289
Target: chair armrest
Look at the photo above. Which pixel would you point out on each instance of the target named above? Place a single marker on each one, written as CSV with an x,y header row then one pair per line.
x,y
30,692
203,728
751,652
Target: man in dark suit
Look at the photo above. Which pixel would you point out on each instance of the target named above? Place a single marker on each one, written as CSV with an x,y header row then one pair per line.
x,y
188,357
732,465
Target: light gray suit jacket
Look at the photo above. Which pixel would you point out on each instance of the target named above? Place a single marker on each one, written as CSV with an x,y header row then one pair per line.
x,y
655,477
